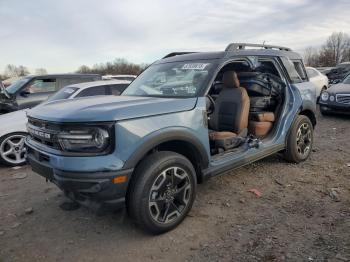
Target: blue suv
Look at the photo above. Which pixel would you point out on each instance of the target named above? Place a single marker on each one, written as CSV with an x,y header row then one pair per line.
x,y
186,118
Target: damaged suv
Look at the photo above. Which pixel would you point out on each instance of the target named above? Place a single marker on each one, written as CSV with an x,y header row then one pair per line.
x,y
186,118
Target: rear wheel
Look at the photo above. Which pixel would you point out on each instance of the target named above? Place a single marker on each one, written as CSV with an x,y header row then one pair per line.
x,y
300,140
12,149
161,192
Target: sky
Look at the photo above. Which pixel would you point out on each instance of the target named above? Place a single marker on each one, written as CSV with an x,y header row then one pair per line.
x,y
63,35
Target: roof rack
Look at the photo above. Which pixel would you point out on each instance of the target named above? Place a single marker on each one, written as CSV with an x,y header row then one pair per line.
x,y
240,46
177,53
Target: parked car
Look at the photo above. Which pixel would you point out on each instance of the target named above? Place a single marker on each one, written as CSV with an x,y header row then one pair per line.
x,y
318,79
338,73
148,148
13,125
30,91
324,70
336,99
119,77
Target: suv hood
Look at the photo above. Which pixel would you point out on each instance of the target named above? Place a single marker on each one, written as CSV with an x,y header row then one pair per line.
x,y
109,108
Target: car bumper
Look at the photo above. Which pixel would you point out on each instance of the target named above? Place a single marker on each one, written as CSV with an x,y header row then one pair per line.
x,y
335,108
96,190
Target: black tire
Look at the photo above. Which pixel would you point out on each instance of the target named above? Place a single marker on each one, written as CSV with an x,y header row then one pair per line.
x,y
3,160
324,113
293,152
147,174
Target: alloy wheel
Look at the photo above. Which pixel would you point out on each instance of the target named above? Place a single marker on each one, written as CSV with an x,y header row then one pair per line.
x,y
13,150
304,140
169,195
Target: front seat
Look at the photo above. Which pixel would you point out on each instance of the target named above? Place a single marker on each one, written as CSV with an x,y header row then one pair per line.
x,y
230,117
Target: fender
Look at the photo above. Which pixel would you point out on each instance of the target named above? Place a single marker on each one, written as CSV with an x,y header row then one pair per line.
x,y
170,134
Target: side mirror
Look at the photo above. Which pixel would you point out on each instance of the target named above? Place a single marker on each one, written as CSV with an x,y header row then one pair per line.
x,y
24,93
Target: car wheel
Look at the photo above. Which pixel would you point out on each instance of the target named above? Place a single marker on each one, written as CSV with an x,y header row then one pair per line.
x,y
300,140
161,192
12,149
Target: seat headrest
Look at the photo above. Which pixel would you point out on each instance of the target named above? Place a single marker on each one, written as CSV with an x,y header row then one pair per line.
x,y
230,79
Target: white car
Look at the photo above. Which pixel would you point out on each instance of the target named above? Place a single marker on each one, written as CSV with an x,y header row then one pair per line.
x,y
318,79
13,125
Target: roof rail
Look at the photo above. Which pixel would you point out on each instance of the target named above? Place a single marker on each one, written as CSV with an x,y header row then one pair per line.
x,y
240,46
177,53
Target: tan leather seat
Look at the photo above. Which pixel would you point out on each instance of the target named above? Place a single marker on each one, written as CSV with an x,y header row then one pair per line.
x,y
230,117
261,123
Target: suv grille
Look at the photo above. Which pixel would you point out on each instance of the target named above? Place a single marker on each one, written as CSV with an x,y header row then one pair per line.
x,y
343,98
44,132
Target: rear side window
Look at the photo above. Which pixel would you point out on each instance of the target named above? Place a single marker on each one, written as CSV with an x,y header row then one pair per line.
x,y
72,81
116,90
292,72
299,67
41,86
311,72
93,91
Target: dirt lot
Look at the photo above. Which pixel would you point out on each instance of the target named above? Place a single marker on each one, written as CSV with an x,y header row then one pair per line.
x,y
302,215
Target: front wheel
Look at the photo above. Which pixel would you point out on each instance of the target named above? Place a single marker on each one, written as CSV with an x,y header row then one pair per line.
x,y
161,192
12,149
300,140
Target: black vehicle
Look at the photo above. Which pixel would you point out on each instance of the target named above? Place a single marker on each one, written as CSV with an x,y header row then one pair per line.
x,y
336,99
338,73
30,91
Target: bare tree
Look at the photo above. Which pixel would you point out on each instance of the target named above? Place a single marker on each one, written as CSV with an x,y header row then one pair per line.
x,y
40,71
12,70
118,66
311,56
335,49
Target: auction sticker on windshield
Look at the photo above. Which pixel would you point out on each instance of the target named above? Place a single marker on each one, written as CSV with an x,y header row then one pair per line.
x,y
195,66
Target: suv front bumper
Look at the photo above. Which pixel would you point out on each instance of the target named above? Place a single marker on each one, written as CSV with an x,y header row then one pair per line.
x,y
95,190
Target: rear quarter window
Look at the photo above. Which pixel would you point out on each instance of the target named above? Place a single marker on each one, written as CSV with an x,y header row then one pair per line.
x,y
292,72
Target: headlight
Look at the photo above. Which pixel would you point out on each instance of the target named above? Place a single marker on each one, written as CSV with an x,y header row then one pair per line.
x,y
87,139
331,98
324,96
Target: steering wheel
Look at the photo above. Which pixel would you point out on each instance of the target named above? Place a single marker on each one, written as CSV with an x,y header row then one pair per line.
x,y
210,104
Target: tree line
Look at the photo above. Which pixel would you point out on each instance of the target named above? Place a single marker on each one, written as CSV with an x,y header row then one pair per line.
x,y
335,50
117,66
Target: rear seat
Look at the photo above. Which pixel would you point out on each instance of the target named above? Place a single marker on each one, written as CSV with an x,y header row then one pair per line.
x,y
260,123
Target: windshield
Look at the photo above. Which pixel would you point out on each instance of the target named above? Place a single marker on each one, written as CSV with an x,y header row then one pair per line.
x,y
347,80
176,79
64,93
17,85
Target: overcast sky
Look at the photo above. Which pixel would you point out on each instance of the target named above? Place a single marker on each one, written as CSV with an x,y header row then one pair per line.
x,y
62,35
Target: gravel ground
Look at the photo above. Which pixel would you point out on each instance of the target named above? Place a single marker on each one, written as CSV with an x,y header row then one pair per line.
x,y
302,215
